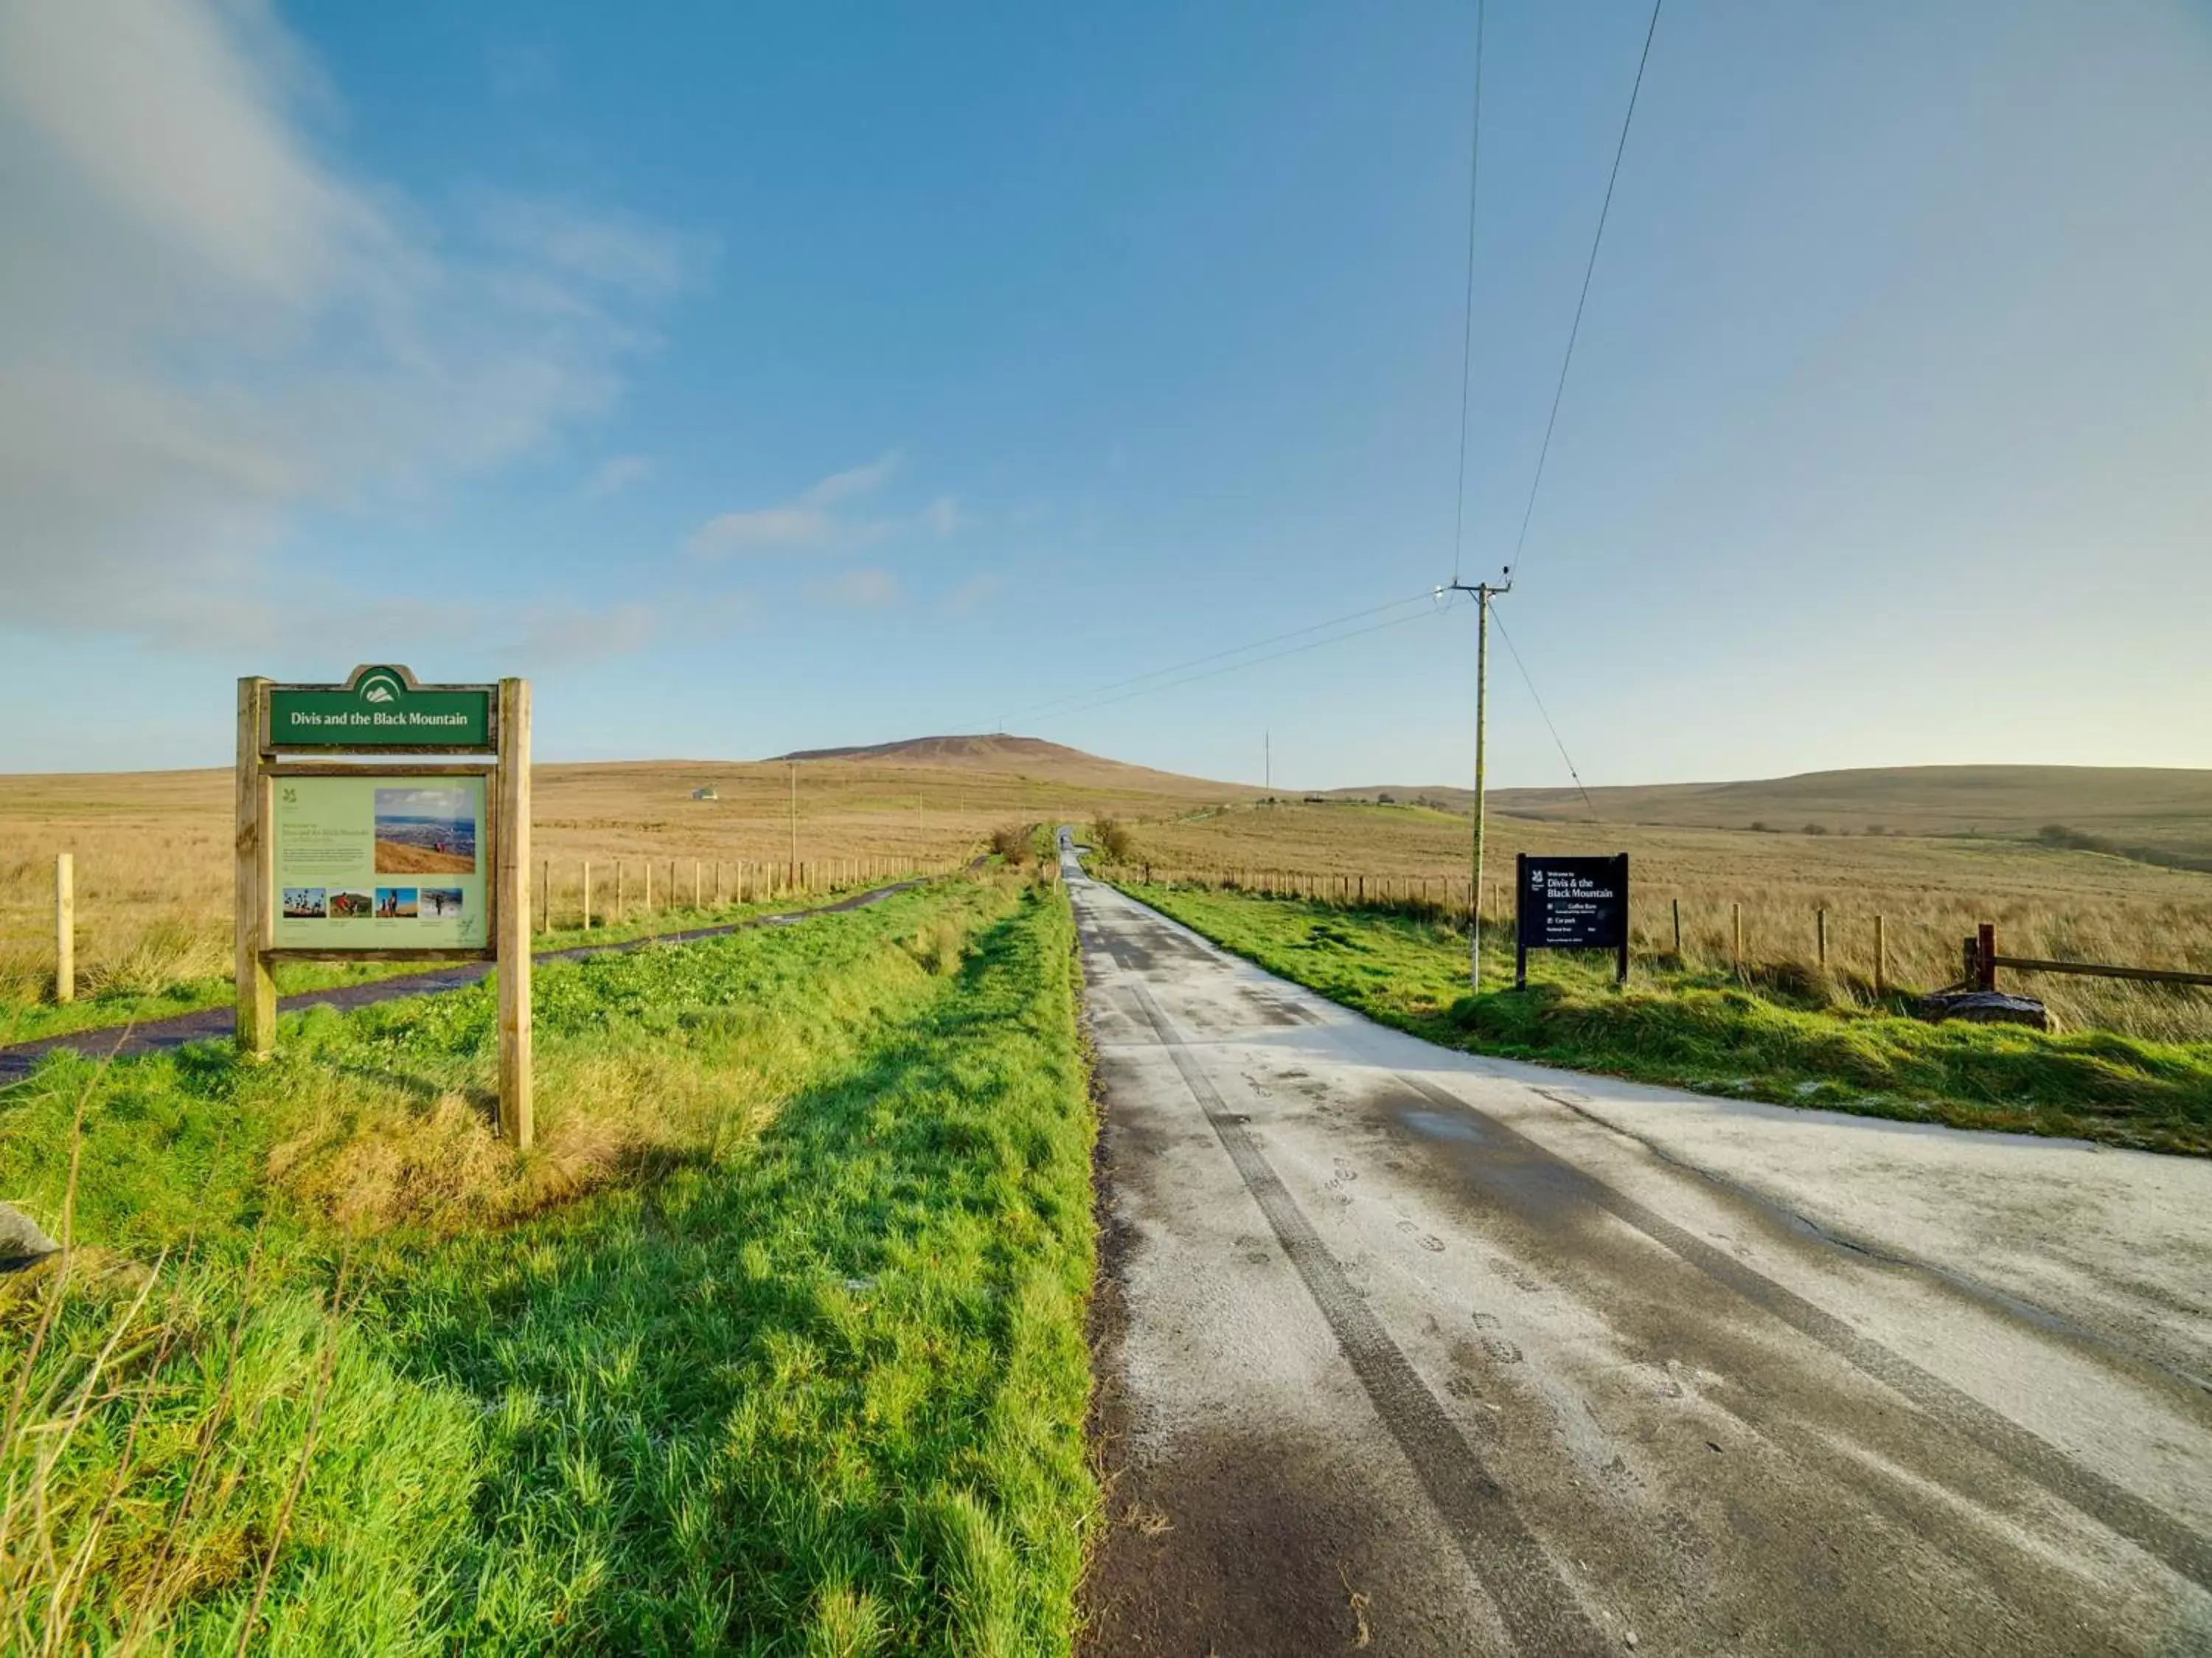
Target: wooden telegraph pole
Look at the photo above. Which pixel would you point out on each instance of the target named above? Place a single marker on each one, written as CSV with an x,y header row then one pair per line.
x,y
1484,593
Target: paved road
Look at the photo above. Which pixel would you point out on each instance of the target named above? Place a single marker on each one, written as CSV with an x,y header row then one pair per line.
x,y
162,1035
1437,1355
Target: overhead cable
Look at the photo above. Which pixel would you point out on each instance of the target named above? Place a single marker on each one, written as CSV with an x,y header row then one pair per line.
x,y
1426,597
1439,601
1566,361
1525,679
1467,320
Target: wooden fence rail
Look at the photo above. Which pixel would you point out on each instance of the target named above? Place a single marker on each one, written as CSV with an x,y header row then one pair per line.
x,y
1446,898
1982,959
749,882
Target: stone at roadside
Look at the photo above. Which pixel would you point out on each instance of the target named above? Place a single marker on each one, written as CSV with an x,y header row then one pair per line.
x,y
1985,1008
22,1242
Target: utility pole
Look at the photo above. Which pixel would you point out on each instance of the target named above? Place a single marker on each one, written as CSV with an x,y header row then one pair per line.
x,y
1268,759
795,820
1484,593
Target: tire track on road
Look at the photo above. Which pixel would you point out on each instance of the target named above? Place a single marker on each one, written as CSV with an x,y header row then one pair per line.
x,y
1539,1609
2150,1528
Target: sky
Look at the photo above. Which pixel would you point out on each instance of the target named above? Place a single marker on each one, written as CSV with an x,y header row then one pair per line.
x,y
756,378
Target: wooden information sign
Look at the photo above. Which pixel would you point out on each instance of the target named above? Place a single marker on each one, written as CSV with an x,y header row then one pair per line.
x,y
388,858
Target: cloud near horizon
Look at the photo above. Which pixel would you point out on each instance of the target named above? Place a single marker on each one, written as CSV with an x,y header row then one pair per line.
x,y
616,473
864,589
209,327
811,520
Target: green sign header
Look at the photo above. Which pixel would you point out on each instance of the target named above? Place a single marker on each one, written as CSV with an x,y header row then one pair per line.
x,y
380,708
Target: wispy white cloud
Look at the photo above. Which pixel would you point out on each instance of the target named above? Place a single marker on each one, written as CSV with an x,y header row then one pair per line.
x,y
209,326
810,520
971,593
864,589
616,473
602,249
519,71
943,517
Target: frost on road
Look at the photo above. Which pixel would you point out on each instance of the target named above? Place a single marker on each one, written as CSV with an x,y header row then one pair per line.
x,y
1423,1353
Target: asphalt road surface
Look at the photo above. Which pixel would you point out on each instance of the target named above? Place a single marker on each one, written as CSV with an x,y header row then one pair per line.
x,y
1412,1352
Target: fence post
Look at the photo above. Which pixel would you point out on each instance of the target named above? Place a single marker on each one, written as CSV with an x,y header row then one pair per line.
x,y
1985,957
648,886
1880,960
1736,921
1678,929
621,909
64,927
587,895
1821,937
545,895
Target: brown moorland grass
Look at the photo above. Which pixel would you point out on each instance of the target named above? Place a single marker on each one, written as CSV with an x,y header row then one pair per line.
x,y
2047,902
2153,810
153,855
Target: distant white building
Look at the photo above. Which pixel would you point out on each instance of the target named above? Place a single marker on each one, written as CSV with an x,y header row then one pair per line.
x,y
704,794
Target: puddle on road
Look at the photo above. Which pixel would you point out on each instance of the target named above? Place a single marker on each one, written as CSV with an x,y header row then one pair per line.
x,y
1437,1125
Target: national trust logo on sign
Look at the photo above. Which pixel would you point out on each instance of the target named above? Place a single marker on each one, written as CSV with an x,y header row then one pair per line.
x,y
380,686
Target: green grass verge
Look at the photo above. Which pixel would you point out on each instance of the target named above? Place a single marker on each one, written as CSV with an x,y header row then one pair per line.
x,y
773,1345
1791,1044
30,1021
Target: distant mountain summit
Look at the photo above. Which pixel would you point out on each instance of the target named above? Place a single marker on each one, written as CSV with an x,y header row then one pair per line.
x,y
1029,757
994,751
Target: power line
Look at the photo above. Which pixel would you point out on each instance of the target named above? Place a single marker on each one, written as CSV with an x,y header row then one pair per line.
x,y
1467,322
1567,361
1238,650
1546,712
1441,600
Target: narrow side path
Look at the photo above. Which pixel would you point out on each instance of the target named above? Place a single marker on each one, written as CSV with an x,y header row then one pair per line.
x,y
161,1035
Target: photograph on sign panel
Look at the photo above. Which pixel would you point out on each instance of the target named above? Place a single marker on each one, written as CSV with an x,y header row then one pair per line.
x,y
425,832
347,905
305,903
396,903
441,901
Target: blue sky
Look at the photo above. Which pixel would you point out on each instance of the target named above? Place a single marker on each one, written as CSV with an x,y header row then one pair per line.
x,y
757,378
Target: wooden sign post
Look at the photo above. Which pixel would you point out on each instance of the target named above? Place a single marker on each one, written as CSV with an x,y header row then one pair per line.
x,y
377,857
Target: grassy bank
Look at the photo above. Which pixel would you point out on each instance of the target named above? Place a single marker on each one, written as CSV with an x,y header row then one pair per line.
x,y
773,1344
1790,1039
1770,890
167,972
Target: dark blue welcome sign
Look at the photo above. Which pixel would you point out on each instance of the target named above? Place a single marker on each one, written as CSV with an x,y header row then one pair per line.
x,y
1570,904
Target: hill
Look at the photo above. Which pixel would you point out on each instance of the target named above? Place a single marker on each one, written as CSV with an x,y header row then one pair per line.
x,y
1026,757
2135,808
